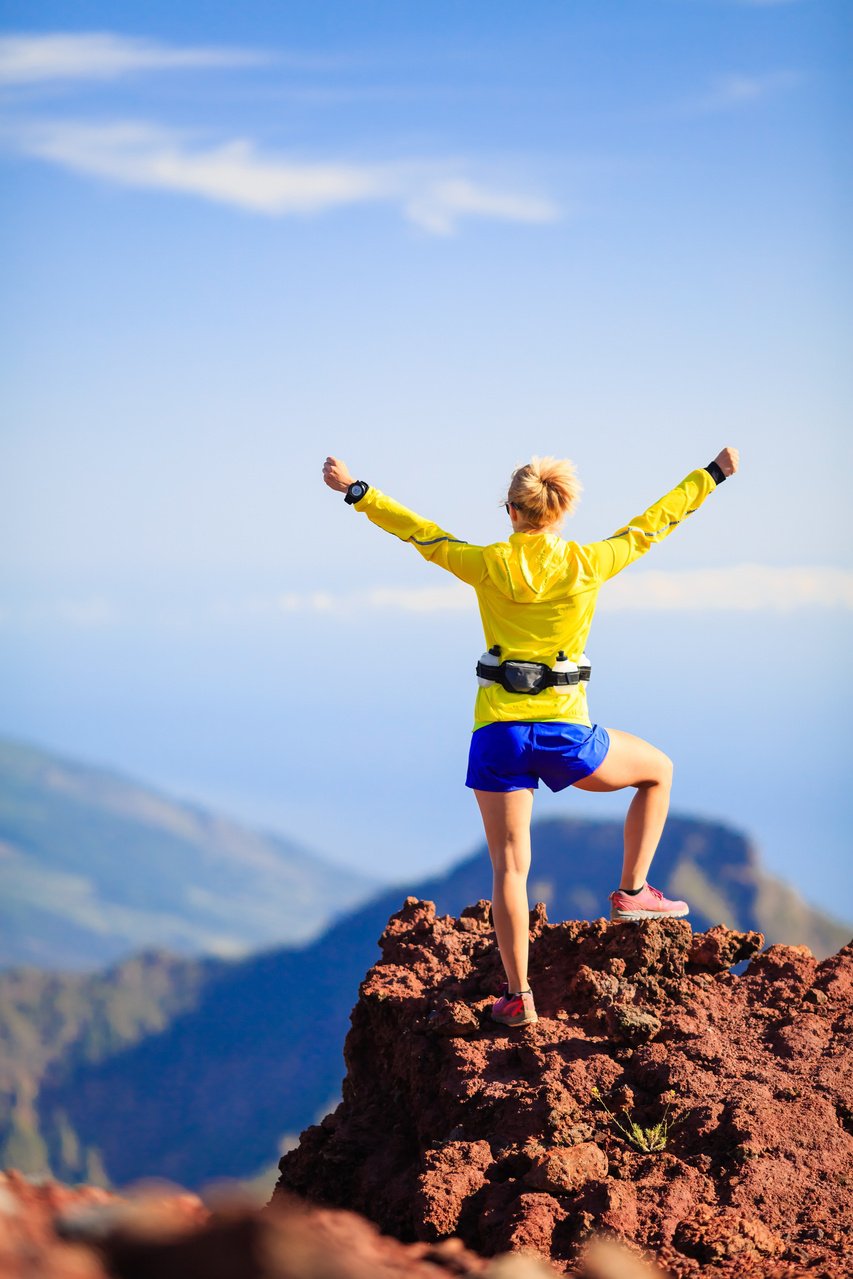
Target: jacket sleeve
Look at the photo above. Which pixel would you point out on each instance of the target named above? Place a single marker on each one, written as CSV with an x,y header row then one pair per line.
x,y
433,543
602,560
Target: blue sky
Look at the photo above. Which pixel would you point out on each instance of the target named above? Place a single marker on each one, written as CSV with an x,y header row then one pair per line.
x,y
432,239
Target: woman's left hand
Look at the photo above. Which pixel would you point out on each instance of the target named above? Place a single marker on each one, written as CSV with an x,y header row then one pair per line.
x,y
336,474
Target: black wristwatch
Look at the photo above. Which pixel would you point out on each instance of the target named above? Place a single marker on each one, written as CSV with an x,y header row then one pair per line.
x,y
356,492
716,471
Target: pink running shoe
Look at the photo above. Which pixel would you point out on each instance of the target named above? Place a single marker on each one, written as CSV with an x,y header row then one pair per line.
x,y
648,903
514,1010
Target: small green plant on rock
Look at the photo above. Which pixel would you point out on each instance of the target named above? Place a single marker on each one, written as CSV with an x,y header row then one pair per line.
x,y
648,1139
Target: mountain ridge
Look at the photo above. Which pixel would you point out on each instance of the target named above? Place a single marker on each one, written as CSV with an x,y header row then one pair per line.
x,y
95,865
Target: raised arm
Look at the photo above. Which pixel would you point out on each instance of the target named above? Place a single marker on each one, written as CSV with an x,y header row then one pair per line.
x,y
604,559
430,541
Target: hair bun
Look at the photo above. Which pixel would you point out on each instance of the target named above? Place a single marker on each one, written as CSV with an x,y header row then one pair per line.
x,y
546,489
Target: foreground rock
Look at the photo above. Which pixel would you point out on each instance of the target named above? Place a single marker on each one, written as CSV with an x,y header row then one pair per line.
x,y
509,1139
52,1231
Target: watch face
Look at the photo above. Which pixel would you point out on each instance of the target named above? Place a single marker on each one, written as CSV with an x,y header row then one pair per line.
x,y
358,490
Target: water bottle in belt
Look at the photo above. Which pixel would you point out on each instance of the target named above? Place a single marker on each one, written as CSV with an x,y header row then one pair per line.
x,y
492,658
564,664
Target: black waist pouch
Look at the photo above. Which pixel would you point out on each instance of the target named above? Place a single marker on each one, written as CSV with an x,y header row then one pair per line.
x,y
526,677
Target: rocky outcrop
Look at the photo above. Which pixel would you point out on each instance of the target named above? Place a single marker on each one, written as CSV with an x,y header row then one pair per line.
x,y
703,1116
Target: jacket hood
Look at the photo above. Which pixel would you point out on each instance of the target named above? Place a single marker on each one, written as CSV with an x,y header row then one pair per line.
x,y
530,566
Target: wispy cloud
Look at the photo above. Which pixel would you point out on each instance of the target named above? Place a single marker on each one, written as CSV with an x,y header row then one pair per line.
x,y
234,172
734,90
745,588
442,204
239,173
34,59
85,612
752,588
449,598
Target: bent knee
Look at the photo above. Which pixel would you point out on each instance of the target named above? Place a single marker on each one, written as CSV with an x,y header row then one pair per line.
x,y
660,773
665,771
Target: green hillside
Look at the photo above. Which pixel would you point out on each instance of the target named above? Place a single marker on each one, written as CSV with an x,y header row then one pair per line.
x,y
80,1019
94,865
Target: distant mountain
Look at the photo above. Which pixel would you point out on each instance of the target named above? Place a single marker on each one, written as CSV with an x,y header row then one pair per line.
x,y
251,1050
69,1021
94,866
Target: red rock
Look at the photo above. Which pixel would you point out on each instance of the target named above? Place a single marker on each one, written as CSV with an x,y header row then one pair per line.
x,y
587,983
452,1173
529,1226
453,1018
717,1234
720,947
749,1083
480,914
779,962
566,1169
621,1210
631,1025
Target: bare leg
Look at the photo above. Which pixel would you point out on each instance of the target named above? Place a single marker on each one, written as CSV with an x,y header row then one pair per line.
x,y
633,762
506,818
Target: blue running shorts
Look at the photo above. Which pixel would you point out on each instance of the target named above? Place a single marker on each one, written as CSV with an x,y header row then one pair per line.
x,y
514,755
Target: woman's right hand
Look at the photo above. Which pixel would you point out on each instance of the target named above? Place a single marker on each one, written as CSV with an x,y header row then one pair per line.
x,y
336,474
727,460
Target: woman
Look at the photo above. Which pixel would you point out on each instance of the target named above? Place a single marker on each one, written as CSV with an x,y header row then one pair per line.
x,y
537,595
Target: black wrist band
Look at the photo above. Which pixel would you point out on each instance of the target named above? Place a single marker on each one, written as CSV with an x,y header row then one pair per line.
x,y
356,491
716,472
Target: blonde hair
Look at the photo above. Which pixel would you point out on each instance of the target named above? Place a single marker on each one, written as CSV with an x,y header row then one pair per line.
x,y
545,489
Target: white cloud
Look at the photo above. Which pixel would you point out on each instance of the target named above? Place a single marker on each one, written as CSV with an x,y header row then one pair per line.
x,y
742,588
235,172
34,59
238,173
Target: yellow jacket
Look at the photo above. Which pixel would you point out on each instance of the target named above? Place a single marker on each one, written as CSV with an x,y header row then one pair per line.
x,y
536,591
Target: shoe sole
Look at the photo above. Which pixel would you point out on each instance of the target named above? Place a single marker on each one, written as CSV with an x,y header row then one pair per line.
x,y
621,915
515,1021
